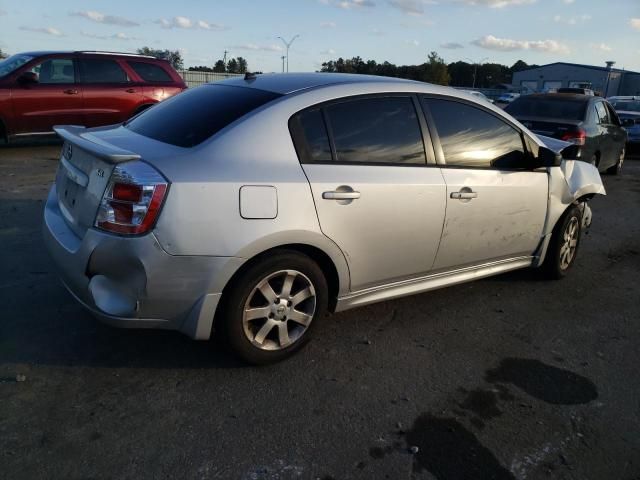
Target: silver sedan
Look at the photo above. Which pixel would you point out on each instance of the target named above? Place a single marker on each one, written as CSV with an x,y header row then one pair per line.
x,y
252,206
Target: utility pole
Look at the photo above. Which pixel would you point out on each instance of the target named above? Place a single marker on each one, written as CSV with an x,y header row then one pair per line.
x,y
288,45
283,57
475,69
224,59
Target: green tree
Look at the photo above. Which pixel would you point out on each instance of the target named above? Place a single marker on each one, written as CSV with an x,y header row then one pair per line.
x,y
435,70
174,57
200,68
219,67
243,66
232,66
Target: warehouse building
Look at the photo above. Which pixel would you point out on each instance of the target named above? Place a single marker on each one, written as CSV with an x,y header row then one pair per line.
x,y
606,81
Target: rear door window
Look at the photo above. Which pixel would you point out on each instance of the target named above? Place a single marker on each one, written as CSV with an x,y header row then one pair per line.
x,y
150,73
194,115
101,70
310,136
471,137
603,115
382,130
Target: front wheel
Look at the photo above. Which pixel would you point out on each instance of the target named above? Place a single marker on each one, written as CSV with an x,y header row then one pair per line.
x,y
272,308
564,244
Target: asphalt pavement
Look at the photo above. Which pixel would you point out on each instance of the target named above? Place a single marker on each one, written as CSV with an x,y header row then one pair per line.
x,y
510,377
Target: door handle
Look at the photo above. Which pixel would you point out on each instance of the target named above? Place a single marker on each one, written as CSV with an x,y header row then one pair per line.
x,y
340,195
131,90
464,195
71,91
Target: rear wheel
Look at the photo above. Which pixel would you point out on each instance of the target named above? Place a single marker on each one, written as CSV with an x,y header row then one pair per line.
x,y
617,168
564,244
273,307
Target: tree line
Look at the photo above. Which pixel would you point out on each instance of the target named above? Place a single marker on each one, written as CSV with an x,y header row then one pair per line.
x,y
433,70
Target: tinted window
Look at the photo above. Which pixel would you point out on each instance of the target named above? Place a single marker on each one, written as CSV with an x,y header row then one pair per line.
x,y
10,64
99,70
558,107
626,106
196,114
613,116
471,137
603,115
55,70
310,135
377,130
150,72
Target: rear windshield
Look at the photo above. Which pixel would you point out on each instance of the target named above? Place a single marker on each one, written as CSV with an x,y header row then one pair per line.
x,y
195,115
548,107
626,105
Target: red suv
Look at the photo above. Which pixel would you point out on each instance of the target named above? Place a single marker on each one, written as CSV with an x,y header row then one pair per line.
x,y
41,89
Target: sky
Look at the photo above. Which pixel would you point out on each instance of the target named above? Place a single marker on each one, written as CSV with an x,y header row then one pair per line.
x,y
399,31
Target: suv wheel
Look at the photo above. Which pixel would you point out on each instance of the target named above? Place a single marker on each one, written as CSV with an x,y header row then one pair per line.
x,y
272,308
563,248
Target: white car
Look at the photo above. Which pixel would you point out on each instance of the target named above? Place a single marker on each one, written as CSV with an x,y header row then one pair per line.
x,y
508,97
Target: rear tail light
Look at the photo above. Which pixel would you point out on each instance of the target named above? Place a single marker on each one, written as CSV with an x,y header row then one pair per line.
x,y
132,200
577,137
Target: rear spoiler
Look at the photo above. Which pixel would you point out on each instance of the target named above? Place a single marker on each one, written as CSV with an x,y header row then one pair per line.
x,y
79,137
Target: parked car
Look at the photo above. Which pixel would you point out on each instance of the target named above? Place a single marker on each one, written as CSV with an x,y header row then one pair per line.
x,y
41,89
508,97
587,121
253,206
628,110
579,90
478,94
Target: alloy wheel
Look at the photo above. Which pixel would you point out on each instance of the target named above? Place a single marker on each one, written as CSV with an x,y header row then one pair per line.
x,y
279,310
570,243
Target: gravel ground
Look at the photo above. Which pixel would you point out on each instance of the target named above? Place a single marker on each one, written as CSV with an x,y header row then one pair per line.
x,y
506,378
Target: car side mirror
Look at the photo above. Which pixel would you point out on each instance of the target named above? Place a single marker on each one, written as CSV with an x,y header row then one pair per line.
x,y
547,158
28,78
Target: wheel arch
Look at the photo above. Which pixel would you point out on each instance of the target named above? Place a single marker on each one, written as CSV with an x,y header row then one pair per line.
x,y
335,278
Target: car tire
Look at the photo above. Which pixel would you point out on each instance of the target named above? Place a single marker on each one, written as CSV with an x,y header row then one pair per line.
x,y
563,247
617,168
272,308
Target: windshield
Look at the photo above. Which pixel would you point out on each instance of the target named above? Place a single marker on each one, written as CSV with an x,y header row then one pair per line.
x,y
626,106
12,63
560,108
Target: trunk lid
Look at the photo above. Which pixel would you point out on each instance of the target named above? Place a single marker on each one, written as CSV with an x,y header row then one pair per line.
x,y
86,163
550,127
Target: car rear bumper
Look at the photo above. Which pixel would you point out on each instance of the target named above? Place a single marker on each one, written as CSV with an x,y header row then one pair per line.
x,y
132,282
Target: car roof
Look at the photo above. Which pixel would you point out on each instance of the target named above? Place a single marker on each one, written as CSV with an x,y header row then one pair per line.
x,y
572,97
286,83
40,53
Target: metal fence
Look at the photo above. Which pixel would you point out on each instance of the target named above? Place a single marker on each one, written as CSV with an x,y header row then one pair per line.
x,y
193,79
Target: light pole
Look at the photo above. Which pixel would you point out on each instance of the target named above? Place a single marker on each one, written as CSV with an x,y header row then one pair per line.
x,y
283,57
288,45
475,68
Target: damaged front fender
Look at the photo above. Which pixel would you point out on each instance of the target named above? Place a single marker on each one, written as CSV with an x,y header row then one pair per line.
x,y
573,182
